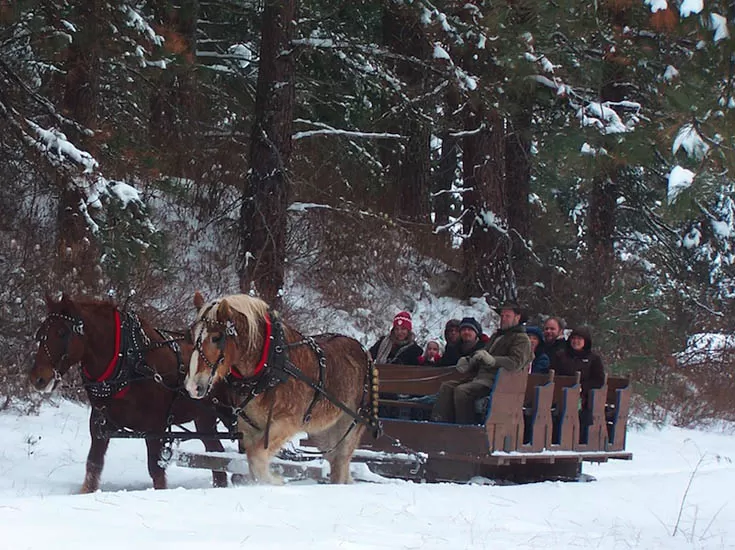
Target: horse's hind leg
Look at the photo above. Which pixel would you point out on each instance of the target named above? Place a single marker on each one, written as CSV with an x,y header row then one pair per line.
x,y
208,424
156,471
95,463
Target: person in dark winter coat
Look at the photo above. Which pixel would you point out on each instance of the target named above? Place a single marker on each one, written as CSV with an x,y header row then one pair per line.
x,y
553,341
508,348
541,361
399,346
452,349
578,357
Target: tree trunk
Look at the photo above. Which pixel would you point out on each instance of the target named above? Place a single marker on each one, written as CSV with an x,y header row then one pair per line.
x,y
404,35
518,185
78,255
173,105
445,176
486,246
266,198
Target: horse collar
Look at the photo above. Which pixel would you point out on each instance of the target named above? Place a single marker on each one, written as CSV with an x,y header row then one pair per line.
x,y
116,356
266,351
121,370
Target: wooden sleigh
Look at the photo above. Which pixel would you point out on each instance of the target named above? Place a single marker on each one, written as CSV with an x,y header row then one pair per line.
x,y
527,430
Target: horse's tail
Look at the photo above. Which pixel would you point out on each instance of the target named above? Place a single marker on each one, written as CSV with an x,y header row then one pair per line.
x,y
374,389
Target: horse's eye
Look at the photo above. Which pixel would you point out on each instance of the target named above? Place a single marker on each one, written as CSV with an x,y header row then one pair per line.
x,y
217,339
61,332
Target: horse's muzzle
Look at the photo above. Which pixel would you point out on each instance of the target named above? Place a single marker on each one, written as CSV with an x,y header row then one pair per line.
x,y
44,384
197,387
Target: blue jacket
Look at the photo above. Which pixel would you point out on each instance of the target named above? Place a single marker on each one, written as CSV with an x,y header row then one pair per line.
x,y
541,361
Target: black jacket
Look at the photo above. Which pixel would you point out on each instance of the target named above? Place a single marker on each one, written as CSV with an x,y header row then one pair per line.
x,y
407,354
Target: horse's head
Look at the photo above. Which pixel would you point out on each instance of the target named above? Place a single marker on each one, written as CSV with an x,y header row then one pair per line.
x,y
60,343
227,334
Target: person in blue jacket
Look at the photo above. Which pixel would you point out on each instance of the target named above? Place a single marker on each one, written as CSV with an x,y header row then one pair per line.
x,y
541,361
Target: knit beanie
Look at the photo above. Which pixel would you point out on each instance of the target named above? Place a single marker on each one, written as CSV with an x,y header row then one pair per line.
x,y
403,319
472,323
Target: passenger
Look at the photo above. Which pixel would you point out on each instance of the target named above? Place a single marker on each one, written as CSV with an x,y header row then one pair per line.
x,y
432,353
509,348
399,346
578,357
452,338
541,361
554,341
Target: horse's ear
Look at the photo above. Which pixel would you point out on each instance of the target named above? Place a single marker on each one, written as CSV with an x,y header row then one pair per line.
x,y
66,304
66,301
198,300
50,302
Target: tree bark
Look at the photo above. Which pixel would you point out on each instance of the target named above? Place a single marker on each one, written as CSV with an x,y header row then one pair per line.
x,y
77,253
518,184
488,270
404,35
267,195
173,105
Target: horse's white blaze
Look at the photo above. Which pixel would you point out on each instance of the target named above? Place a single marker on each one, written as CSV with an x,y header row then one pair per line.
x,y
48,388
194,380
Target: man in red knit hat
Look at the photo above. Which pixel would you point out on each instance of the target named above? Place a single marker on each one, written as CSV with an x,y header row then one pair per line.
x,y
399,346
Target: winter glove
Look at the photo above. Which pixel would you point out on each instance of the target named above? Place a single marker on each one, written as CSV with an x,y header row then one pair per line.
x,y
482,358
463,365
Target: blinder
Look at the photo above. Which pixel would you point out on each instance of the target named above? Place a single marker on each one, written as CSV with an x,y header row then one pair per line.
x,y
73,325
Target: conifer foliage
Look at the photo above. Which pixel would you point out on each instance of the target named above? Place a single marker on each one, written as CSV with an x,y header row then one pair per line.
x,y
575,156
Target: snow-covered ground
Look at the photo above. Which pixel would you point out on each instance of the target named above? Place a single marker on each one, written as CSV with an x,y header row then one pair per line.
x,y
678,478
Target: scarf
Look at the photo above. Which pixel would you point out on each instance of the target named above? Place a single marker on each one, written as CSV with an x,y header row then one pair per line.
x,y
387,344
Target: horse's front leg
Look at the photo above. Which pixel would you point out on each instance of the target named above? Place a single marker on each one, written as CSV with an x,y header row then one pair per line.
x,y
156,471
259,457
95,457
209,425
259,463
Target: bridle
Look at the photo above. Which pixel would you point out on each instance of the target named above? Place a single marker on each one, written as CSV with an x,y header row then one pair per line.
x,y
74,325
228,330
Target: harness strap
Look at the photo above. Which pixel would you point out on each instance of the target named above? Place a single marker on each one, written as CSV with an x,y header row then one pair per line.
x,y
294,371
320,384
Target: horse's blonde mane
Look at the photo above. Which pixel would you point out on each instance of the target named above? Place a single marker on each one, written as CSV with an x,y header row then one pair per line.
x,y
252,310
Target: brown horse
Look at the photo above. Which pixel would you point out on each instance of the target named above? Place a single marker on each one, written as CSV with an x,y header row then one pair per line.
x,y
285,383
132,374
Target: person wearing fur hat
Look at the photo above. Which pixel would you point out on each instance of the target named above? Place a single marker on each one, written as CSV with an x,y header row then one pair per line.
x,y
541,361
432,353
451,350
508,348
399,346
577,356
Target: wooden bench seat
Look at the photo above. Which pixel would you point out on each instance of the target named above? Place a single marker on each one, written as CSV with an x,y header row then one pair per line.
x,y
524,412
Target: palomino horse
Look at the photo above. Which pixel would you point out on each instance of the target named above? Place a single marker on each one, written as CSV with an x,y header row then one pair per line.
x,y
132,374
284,382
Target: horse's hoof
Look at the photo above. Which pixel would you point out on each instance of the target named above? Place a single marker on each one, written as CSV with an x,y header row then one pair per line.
x,y
239,479
219,479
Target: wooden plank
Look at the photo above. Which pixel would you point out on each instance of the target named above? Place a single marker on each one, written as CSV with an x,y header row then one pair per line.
x,y
567,391
597,430
618,399
504,423
415,380
538,419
